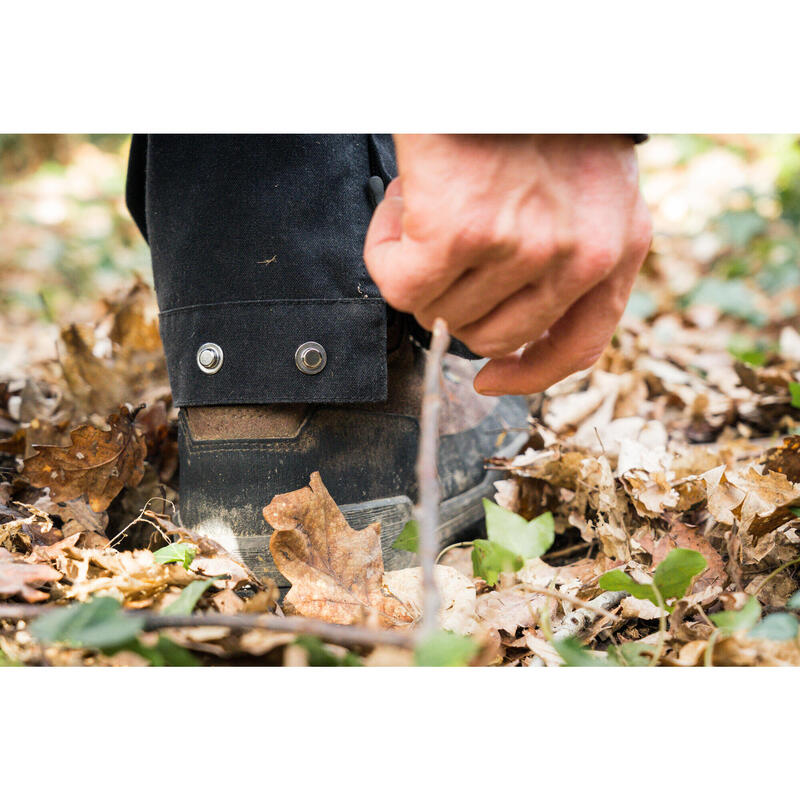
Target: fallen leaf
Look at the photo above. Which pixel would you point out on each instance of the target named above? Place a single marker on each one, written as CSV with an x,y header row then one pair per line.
x,y
456,596
336,572
98,464
20,578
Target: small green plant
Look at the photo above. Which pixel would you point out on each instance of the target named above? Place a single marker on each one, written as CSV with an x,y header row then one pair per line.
x,y
408,539
445,649
102,625
729,622
320,655
188,598
175,553
673,576
794,393
490,559
780,626
511,540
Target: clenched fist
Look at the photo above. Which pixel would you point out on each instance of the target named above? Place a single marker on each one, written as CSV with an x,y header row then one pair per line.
x,y
527,246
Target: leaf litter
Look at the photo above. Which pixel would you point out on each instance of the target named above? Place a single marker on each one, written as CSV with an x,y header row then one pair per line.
x,y
653,517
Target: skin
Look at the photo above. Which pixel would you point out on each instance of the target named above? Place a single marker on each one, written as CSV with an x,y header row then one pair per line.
x,y
527,246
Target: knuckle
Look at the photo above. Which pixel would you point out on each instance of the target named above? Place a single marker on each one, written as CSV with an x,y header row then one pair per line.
x,y
489,347
595,261
472,237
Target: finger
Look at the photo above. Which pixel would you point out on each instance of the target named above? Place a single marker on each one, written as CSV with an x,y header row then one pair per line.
x,y
573,343
406,271
519,319
472,296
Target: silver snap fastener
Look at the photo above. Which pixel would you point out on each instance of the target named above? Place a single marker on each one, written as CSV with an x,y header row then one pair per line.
x,y
209,357
310,358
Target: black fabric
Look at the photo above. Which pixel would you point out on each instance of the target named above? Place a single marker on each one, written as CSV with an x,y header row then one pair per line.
x,y
256,244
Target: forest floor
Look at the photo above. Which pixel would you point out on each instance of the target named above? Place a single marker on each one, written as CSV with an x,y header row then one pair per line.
x,y
653,518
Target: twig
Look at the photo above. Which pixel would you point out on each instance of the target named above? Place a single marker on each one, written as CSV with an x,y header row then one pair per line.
x,y
708,656
575,623
330,632
772,574
662,629
427,510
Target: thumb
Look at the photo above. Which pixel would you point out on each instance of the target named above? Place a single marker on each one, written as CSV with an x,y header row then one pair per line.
x,y
384,232
387,220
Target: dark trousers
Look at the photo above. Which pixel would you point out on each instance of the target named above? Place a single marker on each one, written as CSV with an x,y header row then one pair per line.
x,y
256,243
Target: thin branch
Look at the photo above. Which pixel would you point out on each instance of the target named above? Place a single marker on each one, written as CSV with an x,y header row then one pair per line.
x,y
777,571
662,629
612,598
427,510
347,635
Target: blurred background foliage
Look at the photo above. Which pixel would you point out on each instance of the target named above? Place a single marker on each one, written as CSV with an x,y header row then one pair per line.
x,y
726,212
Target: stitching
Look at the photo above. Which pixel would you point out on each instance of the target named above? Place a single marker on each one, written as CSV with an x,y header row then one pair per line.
x,y
225,303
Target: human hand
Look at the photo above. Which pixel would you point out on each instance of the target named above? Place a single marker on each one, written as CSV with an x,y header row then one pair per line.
x,y
527,246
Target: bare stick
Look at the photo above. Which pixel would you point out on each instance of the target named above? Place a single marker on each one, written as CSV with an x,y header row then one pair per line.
x,y
427,510
346,635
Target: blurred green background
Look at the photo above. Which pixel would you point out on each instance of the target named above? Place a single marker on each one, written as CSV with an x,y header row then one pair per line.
x,y
726,210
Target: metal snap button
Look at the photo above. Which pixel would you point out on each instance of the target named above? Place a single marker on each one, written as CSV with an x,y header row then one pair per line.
x,y
310,358
209,357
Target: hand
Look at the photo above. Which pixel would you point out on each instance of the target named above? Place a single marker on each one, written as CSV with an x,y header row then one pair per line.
x,y
527,246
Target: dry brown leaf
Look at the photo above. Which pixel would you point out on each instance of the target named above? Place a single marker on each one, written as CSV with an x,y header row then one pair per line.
x,y
680,535
132,576
336,572
760,503
98,463
456,596
95,386
20,578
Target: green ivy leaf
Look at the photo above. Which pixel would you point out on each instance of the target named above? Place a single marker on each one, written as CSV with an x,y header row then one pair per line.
x,y
98,624
409,538
779,627
529,539
175,553
319,655
729,622
188,598
672,577
631,654
619,581
575,654
165,653
794,392
794,601
5,661
745,349
445,649
489,559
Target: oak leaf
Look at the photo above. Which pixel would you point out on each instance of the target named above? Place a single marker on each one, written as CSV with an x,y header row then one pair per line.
x,y
98,463
336,572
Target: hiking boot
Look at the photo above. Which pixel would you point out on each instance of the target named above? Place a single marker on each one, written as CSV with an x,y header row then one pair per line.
x,y
235,459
